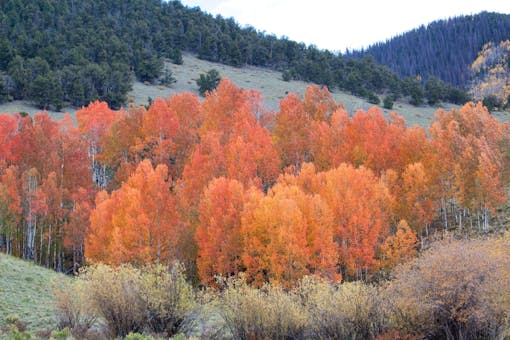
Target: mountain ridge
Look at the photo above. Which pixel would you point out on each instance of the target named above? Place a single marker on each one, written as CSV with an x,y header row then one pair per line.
x,y
443,48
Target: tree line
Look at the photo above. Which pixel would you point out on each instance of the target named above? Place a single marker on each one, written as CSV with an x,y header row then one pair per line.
x,y
226,187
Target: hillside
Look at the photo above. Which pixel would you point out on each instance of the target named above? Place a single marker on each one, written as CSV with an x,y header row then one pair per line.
x,y
272,87
25,291
56,53
444,48
491,75
268,82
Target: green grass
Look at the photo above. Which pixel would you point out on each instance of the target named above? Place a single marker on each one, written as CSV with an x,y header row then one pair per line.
x,y
25,291
269,83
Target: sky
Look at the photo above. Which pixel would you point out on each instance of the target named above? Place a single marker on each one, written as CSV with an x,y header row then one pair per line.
x,y
338,24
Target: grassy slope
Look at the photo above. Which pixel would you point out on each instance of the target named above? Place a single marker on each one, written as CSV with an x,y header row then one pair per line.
x,y
267,82
25,291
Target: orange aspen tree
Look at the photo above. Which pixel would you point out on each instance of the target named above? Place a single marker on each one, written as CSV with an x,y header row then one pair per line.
x,y
361,207
292,132
218,233
187,109
10,208
137,223
399,247
94,122
287,235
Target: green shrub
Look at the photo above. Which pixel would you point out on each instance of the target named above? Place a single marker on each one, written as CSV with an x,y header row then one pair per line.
x,y
138,336
63,334
15,334
13,320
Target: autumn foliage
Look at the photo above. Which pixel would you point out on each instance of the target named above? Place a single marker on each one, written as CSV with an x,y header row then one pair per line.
x,y
218,235
136,223
226,187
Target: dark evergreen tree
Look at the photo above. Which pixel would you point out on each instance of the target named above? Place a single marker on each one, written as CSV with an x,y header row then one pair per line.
x,y
491,103
148,67
3,91
435,90
6,53
412,87
208,82
388,102
167,78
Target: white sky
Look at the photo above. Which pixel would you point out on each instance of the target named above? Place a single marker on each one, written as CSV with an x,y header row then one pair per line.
x,y
337,25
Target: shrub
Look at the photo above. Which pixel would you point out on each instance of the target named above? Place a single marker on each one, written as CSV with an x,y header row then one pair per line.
x,y
73,306
14,321
63,334
15,334
345,311
265,313
138,336
373,98
287,75
156,298
115,294
457,289
169,297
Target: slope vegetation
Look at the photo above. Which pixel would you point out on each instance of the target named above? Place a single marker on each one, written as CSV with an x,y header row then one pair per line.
x,y
25,292
444,48
88,50
491,75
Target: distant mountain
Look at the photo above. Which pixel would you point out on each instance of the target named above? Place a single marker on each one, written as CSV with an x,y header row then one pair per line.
x,y
444,48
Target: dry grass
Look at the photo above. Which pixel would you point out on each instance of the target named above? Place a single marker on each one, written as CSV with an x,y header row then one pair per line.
x,y
17,106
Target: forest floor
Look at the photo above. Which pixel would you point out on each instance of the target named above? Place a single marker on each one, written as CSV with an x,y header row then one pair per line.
x,y
269,83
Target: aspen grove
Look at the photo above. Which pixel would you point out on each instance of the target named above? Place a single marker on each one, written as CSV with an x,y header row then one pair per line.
x,y
226,187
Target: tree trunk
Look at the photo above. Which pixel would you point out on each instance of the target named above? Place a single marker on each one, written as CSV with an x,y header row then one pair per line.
x,y
49,248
